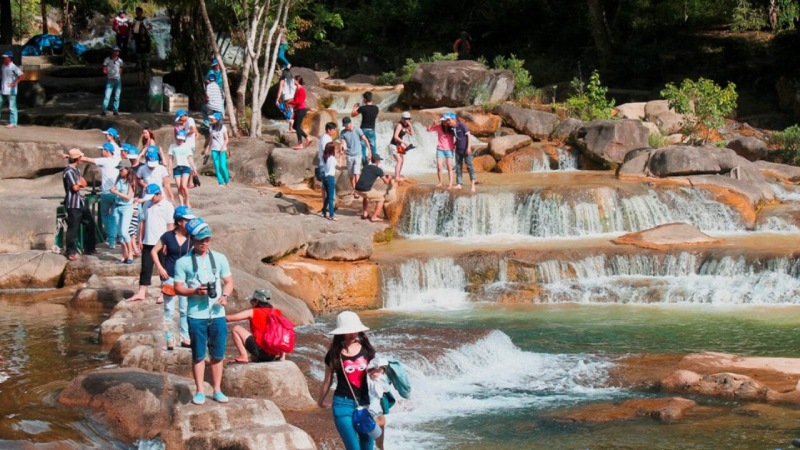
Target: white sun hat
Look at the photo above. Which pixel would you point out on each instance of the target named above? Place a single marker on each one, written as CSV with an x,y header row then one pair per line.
x,y
348,322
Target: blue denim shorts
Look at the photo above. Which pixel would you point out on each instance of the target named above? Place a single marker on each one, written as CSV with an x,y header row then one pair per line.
x,y
444,153
178,171
208,333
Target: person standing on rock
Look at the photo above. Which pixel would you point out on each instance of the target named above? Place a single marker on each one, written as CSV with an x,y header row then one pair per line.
x,y
107,163
283,99
252,341
124,189
11,76
348,356
155,221
188,125
141,39
462,46
204,276
181,164
399,146
214,103
444,149
369,114
112,68
122,28
218,145
329,156
324,140
298,103
172,246
463,151
353,138
369,194
282,49
77,211
155,173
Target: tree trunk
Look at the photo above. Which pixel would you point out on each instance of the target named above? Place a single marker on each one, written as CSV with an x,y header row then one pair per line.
x,y
271,57
45,28
6,24
228,104
600,33
66,27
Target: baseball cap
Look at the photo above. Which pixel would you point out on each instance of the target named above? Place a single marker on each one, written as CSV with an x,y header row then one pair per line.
x,y
445,116
198,229
451,115
406,115
109,147
261,296
75,153
214,61
183,212
181,134
180,113
376,157
131,150
211,77
152,189
217,116
115,49
112,132
346,120
123,164
152,156
8,54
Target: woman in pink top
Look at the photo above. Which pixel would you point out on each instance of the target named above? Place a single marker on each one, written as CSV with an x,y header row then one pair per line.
x,y
445,148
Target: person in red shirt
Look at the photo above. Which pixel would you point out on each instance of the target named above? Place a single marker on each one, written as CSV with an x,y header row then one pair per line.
x,y
250,341
300,110
122,27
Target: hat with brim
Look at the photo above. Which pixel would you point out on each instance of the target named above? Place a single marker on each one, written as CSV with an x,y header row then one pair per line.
x,y
123,164
8,55
260,296
348,322
75,153
152,164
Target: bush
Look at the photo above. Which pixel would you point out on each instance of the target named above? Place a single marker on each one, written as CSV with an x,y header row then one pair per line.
x,y
656,141
522,78
386,79
411,65
747,17
703,103
589,101
789,141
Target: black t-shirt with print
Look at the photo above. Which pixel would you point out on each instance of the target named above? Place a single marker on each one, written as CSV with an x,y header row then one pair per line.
x,y
356,372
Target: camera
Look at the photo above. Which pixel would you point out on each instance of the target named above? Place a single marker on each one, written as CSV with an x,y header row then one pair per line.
x,y
211,289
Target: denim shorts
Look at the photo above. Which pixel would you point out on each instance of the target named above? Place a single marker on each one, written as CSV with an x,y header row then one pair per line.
x,y
208,333
444,153
178,171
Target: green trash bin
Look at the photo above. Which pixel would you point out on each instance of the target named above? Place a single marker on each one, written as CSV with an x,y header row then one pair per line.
x,y
92,202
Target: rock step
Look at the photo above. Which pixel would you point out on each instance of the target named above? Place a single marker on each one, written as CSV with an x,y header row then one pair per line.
x,y
215,418
284,437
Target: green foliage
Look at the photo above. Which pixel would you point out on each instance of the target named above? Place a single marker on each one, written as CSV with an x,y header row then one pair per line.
x,y
321,20
589,101
656,140
789,141
747,17
703,103
522,78
788,13
386,79
410,66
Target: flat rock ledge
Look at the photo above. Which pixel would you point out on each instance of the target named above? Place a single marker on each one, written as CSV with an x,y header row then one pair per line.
x,y
661,409
667,236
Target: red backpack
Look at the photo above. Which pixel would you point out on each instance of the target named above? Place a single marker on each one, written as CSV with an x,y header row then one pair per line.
x,y
278,334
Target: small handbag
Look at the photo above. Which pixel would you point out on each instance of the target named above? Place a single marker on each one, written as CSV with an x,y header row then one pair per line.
x,y
196,180
363,421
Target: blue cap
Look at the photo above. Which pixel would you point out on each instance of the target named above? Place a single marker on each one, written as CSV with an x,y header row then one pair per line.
x,y
198,229
131,150
112,132
180,113
8,54
214,61
152,156
212,77
181,134
217,116
183,212
152,189
109,147
115,49
452,115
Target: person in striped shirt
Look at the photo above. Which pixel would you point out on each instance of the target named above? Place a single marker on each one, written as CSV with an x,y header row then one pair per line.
x,y
77,211
214,102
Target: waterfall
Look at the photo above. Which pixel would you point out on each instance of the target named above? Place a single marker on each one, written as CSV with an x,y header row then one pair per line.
x,y
437,283
567,159
421,159
551,214
343,101
678,278
105,38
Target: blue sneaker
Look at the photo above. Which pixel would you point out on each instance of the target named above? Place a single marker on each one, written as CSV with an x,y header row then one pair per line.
x,y
220,397
199,398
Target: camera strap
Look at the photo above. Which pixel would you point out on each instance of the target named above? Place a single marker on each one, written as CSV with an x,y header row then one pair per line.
x,y
213,265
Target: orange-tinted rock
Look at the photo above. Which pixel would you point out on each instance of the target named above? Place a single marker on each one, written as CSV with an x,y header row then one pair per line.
x,y
726,385
484,163
480,124
523,160
663,409
666,236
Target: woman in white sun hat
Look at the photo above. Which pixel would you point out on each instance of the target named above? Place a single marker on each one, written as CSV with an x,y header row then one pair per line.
x,y
348,356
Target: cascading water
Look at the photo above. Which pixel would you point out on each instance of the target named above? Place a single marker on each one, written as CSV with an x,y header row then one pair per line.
x,y
160,33
567,159
420,160
596,211
343,101
435,283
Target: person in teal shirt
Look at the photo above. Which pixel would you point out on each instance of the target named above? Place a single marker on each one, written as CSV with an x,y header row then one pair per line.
x,y
204,277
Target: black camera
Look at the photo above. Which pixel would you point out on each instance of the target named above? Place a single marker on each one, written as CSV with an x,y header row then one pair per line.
x,y
211,289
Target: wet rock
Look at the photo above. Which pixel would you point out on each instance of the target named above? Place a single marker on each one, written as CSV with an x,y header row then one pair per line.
x,y
341,247
456,83
661,409
536,124
99,298
31,270
566,128
610,140
784,172
159,359
315,121
779,217
726,385
749,148
127,341
279,381
31,159
523,160
484,163
480,124
667,236
633,111
289,167
501,146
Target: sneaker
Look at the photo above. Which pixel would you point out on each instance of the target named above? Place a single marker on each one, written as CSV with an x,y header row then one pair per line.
x,y
199,398
220,397
128,261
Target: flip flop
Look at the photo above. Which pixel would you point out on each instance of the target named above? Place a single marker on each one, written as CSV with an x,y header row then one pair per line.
x,y
376,220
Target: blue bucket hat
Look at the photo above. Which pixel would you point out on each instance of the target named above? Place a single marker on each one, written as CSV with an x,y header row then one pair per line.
x,y
181,134
198,229
180,113
152,189
112,132
183,212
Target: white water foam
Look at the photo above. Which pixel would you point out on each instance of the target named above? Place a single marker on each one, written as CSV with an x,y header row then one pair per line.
x,y
438,283
489,377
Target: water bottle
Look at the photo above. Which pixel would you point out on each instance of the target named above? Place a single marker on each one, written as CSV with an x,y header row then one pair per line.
x,y
170,344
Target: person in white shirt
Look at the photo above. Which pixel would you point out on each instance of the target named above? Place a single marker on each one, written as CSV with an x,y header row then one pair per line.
x,y
112,67
11,76
181,164
218,144
324,140
155,173
157,219
188,125
107,163
329,156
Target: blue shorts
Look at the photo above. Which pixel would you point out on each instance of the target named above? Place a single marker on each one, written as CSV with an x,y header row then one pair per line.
x,y
444,153
179,171
208,333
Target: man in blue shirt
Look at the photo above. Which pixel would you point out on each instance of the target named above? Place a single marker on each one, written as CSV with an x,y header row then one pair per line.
x,y
358,150
204,277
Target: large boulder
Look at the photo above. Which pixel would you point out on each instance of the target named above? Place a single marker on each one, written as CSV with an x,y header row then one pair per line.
x,y
31,159
785,172
662,409
749,148
633,111
526,159
480,124
484,163
566,128
248,161
667,120
341,247
504,145
688,160
610,140
536,124
31,270
456,83
254,239
290,167
279,381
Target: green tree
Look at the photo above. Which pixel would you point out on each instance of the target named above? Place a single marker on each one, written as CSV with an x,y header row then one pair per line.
x,y
589,101
703,103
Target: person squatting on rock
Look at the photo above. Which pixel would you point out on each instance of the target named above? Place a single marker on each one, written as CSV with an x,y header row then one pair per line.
x,y
251,342
181,165
398,145
369,114
365,189
218,145
155,221
11,76
444,149
358,148
329,180
77,210
125,190
348,356
463,151
141,39
107,163
112,68
204,276
172,246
